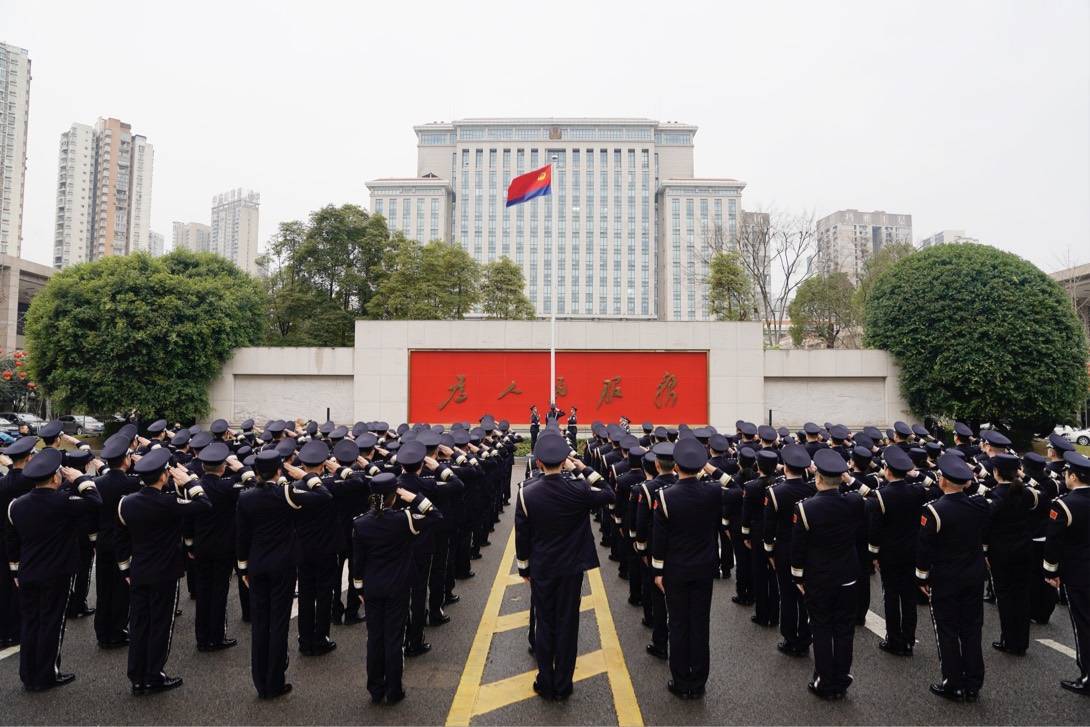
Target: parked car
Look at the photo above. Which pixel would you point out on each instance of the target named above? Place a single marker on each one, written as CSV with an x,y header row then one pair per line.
x,y
1078,436
81,424
9,427
33,421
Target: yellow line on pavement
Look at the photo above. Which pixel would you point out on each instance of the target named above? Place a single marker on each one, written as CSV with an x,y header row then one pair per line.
x,y
521,619
620,682
521,687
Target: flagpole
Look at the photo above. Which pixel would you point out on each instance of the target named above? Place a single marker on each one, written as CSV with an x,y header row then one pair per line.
x,y
552,320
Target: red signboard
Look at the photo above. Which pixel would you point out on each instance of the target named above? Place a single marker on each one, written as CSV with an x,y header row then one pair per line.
x,y
666,387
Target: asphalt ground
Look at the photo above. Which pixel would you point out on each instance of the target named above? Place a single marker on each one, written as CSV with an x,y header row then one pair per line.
x,y
479,672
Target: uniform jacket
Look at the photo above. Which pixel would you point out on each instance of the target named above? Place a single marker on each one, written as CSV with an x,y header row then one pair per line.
x,y
112,486
382,564
149,533
1067,539
779,508
44,530
950,553
686,530
895,522
552,528
823,545
265,524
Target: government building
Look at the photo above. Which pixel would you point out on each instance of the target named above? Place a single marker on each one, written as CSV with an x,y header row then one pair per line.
x,y
626,233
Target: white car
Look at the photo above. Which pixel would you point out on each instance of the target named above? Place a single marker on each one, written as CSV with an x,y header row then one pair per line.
x,y
1078,436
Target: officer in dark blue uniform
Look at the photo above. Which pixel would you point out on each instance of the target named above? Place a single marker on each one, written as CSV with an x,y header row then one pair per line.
x,y
894,529
319,540
654,599
573,429
766,592
447,492
351,489
266,557
554,545
1067,560
43,555
963,440
212,548
733,496
535,426
779,508
685,562
12,485
149,553
825,568
383,572
950,570
111,590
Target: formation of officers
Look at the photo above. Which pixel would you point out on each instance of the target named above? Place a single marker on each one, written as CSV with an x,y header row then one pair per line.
x,y
803,520
284,512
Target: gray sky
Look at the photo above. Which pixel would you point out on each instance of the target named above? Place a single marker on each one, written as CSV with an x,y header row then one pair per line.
x,y
971,115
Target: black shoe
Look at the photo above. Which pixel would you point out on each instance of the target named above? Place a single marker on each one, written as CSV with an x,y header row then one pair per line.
x,y
487,542
659,652
542,691
353,618
972,695
676,690
395,697
80,612
139,690
286,689
439,619
476,556
304,649
634,601
225,644
563,696
614,558
418,649
323,647
59,681
941,690
530,649
741,600
891,648
465,576
451,598
791,650
114,643
1078,686
826,694
1000,646
166,685
761,622
376,697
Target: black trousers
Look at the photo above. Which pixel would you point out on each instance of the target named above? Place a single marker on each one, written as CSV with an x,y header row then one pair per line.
x,y
556,633
533,438
766,589
243,598
270,614
1013,575
899,598
385,635
862,584
689,603
43,605
317,577
635,574
794,620
111,599
81,585
212,579
1078,605
460,554
957,612
418,599
437,577
352,596
726,554
151,630
655,601
832,620
9,602
1042,597
743,567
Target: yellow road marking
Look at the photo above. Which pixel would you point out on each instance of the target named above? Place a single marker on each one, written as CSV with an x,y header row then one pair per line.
x,y
474,698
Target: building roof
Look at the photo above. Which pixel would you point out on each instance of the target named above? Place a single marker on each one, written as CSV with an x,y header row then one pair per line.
x,y
555,121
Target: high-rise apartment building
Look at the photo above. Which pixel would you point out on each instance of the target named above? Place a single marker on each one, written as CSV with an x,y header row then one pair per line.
x,y
14,114
192,236
234,227
156,243
846,238
608,228
104,186
944,236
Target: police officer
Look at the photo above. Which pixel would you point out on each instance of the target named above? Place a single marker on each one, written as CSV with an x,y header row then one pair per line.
x,y
266,558
319,540
535,426
351,489
149,553
43,556
554,546
685,562
654,598
111,590
778,510
1067,560
950,569
733,496
212,548
766,592
383,573
573,429
825,568
12,485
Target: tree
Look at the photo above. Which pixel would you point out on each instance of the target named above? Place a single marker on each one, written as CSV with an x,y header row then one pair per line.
x,y
435,281
141,333
730,289
874,266
502,292
822,309
981,335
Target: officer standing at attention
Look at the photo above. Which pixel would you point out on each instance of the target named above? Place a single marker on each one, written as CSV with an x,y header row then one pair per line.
x,y
950,569
382,572
766,592
319,542
1067,560
111,590
12,485
554,545
149,553
779,510
825,568
266,558
573,428
685,562
43,556
535,426
654,598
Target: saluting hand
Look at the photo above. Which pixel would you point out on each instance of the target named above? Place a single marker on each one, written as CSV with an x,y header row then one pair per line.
x,y
70,473
406,495
430,463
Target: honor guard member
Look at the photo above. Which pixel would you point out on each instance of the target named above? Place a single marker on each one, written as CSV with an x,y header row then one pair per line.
x,y
779,508
902,435
211,547
950,569
813,438
179,444
246,436
733,496
447,490
158,434
573,429
266,558
685,561
963,440
893,531
12,485
350,488
410,456
535,426
646,496
1042,596
1058,447
383,572
43,527
554,545
111,590
319,540
766,592
149,553
1067,560
825,569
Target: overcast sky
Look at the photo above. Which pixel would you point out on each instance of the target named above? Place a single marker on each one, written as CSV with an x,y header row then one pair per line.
x,y
971,115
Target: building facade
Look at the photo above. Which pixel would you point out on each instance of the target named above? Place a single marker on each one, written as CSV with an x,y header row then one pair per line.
x,y
602,244
234,227
192,236
156,243
946,236
104,187
846,238
14,114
